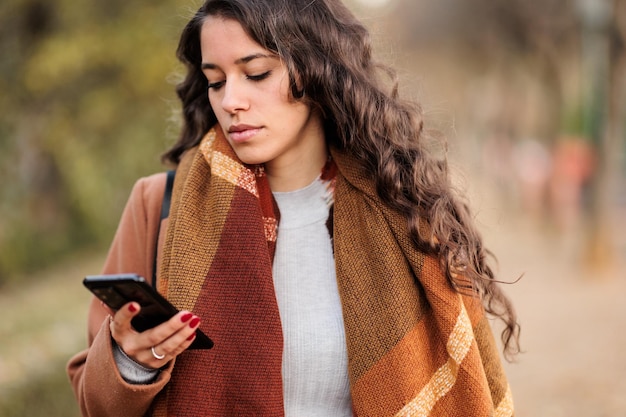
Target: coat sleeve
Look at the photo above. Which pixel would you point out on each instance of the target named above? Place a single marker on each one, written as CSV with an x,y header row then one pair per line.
x,y
96,381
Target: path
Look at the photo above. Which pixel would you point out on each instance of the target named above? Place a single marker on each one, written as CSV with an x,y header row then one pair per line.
x,y
573,321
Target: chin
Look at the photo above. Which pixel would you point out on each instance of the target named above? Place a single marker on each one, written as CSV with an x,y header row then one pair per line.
x,y
250,158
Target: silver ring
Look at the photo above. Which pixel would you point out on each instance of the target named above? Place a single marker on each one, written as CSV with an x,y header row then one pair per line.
x,y
158,357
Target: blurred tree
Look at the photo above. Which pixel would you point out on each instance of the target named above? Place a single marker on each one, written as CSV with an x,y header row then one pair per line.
x,y
604,54
511,40
86,108
582,87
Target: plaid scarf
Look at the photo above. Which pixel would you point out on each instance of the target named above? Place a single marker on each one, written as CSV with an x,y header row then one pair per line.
x,y
415,346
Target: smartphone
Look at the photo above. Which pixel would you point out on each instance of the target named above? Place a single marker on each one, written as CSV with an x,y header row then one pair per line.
x,y
115,290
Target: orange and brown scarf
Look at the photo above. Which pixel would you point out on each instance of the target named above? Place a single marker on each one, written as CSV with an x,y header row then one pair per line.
x,y
415,346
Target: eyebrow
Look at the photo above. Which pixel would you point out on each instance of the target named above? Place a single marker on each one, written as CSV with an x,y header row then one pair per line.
x,y
244,60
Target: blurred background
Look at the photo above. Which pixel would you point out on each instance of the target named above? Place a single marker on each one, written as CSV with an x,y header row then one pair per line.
x,y
530,96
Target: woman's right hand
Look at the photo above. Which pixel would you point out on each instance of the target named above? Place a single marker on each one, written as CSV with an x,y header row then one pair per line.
x,y
154,347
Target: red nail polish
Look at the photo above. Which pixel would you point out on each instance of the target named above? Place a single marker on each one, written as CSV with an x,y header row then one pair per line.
x,y
192,336
132,308
186,317
194,322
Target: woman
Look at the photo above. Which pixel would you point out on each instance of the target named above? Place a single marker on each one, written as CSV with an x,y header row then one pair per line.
x,y
311,236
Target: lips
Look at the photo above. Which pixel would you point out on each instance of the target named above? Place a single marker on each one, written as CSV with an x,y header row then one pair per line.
x,y
242,132
240,128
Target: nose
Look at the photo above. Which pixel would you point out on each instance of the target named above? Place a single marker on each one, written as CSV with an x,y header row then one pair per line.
x,y
234,98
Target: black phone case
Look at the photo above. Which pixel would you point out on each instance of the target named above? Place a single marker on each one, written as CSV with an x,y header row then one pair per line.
x,y
118,289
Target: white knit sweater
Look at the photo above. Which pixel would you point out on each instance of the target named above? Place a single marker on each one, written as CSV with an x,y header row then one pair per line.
x,y
315,361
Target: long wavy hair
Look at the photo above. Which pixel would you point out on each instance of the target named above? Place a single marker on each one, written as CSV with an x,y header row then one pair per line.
x,y
328,54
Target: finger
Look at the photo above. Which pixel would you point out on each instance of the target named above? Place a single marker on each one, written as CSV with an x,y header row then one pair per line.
x,y
171,348
180,341
137,346
121,319
178,324
162,350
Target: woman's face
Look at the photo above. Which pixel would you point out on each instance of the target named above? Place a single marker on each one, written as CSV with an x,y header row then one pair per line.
x,y
249,94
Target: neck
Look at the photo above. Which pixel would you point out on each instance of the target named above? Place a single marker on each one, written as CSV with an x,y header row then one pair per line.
x,y
302,165
297,173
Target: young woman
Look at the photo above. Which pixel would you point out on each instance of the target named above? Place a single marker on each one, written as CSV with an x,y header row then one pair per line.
x,y
311,236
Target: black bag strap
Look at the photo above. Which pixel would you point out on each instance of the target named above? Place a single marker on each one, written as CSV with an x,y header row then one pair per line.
x,y
165,212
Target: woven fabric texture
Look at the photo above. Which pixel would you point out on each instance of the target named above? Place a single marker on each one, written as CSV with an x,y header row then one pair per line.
x,y
415,346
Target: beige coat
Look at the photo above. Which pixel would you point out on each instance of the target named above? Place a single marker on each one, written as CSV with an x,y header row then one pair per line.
x,y
97,384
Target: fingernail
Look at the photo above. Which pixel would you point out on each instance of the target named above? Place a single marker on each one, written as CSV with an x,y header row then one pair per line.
x,y
132,308
193,323
186,317
192,336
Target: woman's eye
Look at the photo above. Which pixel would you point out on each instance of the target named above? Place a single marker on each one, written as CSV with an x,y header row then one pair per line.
x,y
216,85
219,84
259,77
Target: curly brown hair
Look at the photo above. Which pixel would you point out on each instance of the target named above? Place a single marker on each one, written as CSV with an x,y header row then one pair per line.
x,y
328,54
